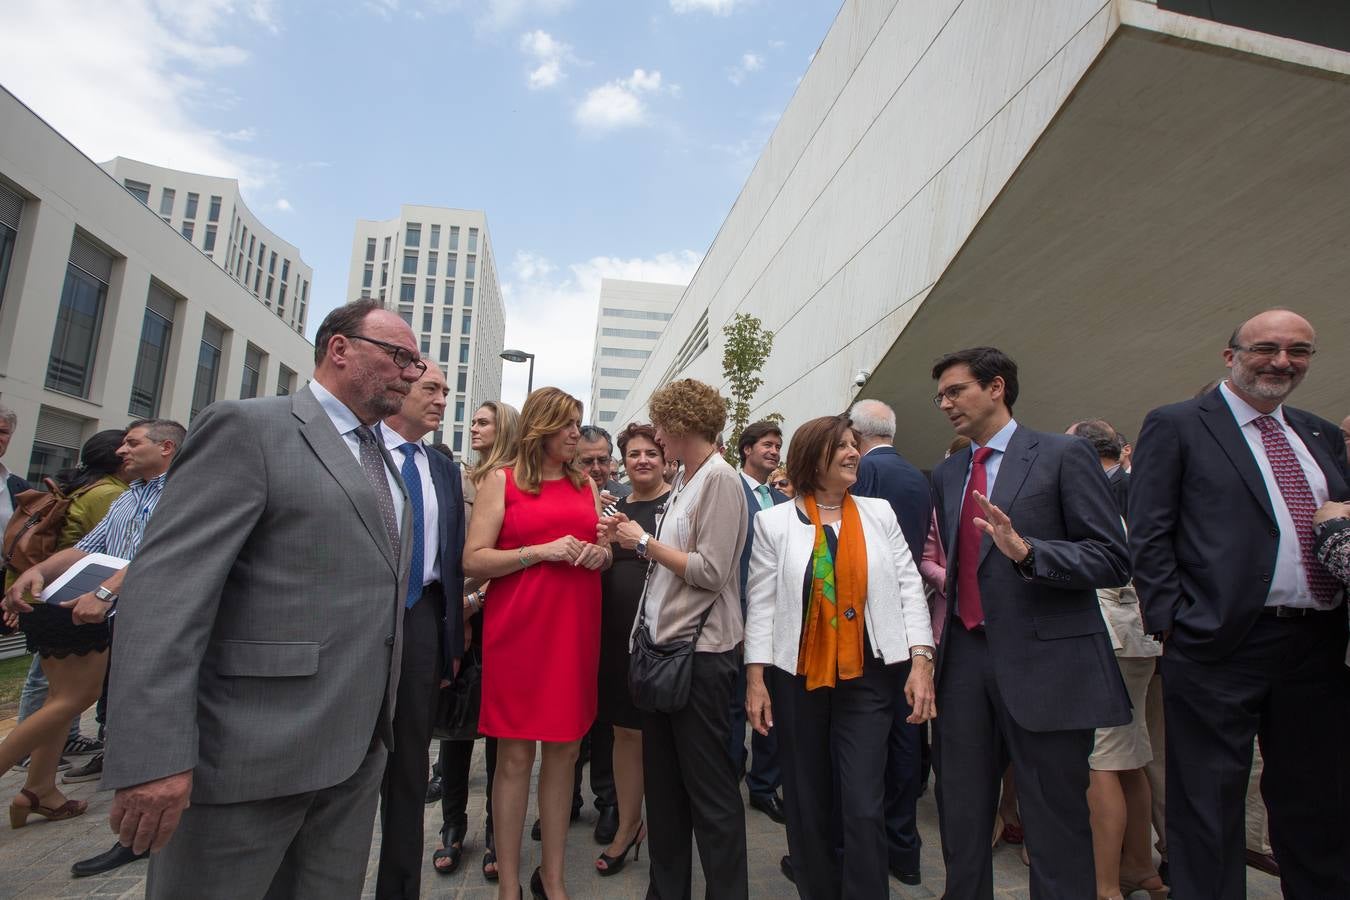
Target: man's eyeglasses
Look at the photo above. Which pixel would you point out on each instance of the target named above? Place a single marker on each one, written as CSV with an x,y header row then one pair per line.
x,y
951,392
594,460
780,483
402,356
1300,352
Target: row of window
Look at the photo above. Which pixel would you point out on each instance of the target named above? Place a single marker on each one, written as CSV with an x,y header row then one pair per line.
x,y
625,353
630,333
635,314
141,192
407,292
619,373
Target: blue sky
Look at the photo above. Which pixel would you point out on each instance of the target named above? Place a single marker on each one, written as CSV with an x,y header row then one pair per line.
x,y
603,139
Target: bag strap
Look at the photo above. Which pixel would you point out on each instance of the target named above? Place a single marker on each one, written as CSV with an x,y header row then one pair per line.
x,y
647,580
33,519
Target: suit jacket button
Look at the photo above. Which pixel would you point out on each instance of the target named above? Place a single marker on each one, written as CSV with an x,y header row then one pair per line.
x,y
1274,532
1265,576
389,640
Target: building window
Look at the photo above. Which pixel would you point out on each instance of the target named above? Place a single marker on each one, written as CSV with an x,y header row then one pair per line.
x,y
252,240
370,249
466,323
619,373
138,189
468,295
11,208
208,367
431,264
635,314
625,353
462,381
473,240
285,382
166,202
285,269
471,267
262,253
459,410
630,333
454,237
448,321
463,351
384,274
191,211
449,293
152,357
209,243
57,444
213,214
79,319
270,281
409,263
435,236
406,313
430,297
406,290
367,276
426,345
253,366
450,262
445,351
613,394
427,318
607,416
272,263
414,236
458,443
281,295
386,248
257,279
187,230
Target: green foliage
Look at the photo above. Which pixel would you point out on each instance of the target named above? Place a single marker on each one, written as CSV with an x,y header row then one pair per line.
x,y
748,347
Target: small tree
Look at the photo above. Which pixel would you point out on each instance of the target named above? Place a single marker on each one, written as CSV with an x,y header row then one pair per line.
x,y
748,347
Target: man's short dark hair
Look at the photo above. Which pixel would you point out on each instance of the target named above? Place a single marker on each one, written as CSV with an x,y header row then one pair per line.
x,y
593,433
1102,436
346,320
159,430
753,434
986,364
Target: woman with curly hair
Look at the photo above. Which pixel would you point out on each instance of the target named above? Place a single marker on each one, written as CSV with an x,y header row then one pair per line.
x,y
693,594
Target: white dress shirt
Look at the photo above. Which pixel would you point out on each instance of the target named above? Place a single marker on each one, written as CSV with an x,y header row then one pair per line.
x,y
431,535
999,444
1289,582
6,502
346,423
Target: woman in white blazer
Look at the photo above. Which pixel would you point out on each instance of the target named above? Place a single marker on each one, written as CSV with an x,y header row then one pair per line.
x,y
834,604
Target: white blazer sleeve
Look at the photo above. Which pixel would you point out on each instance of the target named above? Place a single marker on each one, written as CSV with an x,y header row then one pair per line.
x,y
761,589
913,602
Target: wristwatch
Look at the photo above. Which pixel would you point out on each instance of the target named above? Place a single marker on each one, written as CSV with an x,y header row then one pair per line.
x,y
641,547
921,651
105,595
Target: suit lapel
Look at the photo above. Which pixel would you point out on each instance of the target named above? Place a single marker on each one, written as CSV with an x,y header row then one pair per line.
x,y
1012,474
1310,431
441,474
332,450
953,474
1218,418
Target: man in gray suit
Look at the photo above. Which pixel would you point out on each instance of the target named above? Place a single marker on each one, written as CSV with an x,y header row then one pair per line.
x,y
259,634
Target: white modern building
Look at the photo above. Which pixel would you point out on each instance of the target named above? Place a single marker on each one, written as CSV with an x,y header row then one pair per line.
x,y
210,214
1102,188
632,319
106,313
435,267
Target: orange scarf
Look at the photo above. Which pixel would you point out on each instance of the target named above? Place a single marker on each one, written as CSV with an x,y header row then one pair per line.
x,y
832,640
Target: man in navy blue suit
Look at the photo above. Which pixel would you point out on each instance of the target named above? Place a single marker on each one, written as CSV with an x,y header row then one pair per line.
x,y
884,473
13,484
433,627
1253,626
759,448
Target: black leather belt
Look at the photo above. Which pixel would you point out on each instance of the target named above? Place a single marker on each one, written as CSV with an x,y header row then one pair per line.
x,y
1297,612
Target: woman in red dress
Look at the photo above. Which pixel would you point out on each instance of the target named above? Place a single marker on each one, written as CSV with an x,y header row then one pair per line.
x,y
533,533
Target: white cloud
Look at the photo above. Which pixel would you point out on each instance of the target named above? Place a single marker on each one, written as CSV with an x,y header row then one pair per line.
x,y
123,79
750,62
549,54
500,14
552,312
716,7
283,205
618,104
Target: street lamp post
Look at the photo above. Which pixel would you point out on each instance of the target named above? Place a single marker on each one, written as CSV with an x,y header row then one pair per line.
x,y
520,356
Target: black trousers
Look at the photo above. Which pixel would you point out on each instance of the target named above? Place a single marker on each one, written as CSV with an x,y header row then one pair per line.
x,y
456,760
403,792
599,754
904,778
832,747
764,775
1287,683
974,739
692,790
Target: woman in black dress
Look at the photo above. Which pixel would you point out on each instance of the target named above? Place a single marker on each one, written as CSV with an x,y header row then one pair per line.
x,y
622,585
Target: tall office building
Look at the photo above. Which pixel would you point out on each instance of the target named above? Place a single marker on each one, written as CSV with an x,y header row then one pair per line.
x,y
435,267
210,215
633,316
107,314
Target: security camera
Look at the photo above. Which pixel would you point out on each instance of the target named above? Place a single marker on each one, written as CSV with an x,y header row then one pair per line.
x,y
861,378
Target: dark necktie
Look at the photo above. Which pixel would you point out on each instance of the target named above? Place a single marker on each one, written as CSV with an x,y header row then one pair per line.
x,y
968,537
372,461
412,479
1298,497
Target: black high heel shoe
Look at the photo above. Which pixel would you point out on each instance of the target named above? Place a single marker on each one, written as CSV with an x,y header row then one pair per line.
x,y
452,849
537,885
615,864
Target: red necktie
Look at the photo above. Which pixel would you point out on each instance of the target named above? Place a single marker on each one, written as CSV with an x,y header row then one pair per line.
x,y
968,537
1293,482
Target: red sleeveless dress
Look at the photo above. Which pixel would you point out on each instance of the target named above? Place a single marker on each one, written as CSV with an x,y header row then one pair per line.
x,y
541,625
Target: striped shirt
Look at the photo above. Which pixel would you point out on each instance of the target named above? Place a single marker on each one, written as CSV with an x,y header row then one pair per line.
x,y
119,533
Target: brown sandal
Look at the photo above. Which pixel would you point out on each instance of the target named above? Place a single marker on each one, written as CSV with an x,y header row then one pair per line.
x,y
18,815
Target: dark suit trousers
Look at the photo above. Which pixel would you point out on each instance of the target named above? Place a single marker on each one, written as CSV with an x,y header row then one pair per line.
x,y
692,791
456,760
764,776
600,750
834,740
1288,684
403,794
904,776
975,737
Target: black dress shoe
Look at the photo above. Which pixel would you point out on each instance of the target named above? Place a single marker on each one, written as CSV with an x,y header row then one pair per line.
x,y
435,789
771,805
105,862
785,866
905,877
607,826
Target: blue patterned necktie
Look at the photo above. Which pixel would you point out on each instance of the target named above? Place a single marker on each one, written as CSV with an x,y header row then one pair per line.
x,y
412,479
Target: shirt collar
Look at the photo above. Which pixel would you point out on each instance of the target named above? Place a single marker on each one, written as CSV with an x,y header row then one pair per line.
x,y
343,418
880,447
393,441
750,480
141,483
1243,411
999,442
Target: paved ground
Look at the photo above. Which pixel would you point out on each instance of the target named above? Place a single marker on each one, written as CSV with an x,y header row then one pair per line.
x,y
36,860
